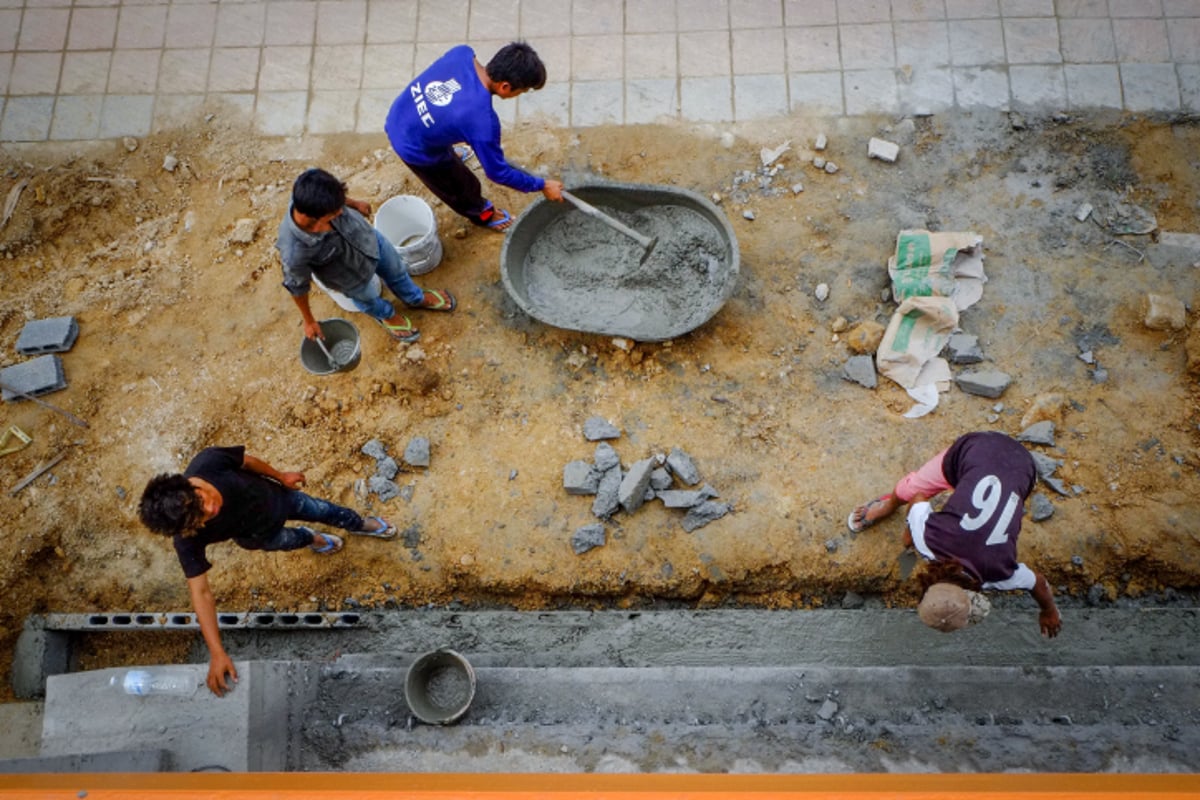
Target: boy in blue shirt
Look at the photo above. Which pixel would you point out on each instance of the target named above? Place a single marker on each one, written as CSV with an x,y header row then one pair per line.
x,y
450,103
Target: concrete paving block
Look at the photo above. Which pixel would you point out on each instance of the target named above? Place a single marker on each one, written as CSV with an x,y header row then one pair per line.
x,y
597,428
250,729
860,370
984,383
883,150
632,491
964,349
587,538
681,466
34,377
607,502
39,654
115,761
706,512
416,453
54,335
580,477
1038,433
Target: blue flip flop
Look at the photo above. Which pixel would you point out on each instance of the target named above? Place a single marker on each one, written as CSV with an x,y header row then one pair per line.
x,y
332,544
386,529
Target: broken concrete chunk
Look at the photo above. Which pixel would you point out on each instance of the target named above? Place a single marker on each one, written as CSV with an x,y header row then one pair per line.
x,y
797,188
686,498
605,457
1044,464
375,449
382,487
387,467
682,467
597,428
822,292
1164,313
244,231
828,710
587,538
706,512
170,162
1083,212
819,162
1038,433
748,214
1040,507
607,501
1056,484
821,142
769,156
632,491
984,383
660,479
52,335
580,477
882,150
860,370
831,167
417,452
964,349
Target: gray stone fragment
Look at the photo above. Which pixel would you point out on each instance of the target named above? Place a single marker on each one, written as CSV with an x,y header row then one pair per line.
x,y
860,370
375,449
1083,212
1045,465
831,545
882,149
1040,507
821,142
607,502
706,512
682,467
828,709
597,428
964,349
1038,433
632,491
1087,357
387,467
1056,484
382,487
580,477
686,498
831,167
660,479
406,492
852,600
984,383
1099,375
53,335
34,377
822,292
1096,595
417,452
605,458
587,538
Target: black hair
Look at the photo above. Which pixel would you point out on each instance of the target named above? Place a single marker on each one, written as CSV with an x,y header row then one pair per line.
x,y
517,65
170,505
317,193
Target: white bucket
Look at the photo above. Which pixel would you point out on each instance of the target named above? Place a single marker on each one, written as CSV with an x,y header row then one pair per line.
x,y
408,223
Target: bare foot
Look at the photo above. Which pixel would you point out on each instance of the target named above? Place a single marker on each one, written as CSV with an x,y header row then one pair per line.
x,y
869,513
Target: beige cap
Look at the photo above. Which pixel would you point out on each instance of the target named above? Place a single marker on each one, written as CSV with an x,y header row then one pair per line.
x,y
946,607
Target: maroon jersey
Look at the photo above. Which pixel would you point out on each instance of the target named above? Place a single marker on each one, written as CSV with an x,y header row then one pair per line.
x,y
992,474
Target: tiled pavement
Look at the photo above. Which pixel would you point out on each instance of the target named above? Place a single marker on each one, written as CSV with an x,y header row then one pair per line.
x,y
92,69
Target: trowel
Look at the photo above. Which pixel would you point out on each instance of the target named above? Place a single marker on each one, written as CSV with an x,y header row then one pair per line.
x,y
647,242
334,362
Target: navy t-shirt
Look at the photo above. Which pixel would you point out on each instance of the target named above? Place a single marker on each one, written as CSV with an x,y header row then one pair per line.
x,y
253,506
992,474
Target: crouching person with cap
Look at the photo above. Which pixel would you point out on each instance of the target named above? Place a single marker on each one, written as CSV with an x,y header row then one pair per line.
x,y
971,543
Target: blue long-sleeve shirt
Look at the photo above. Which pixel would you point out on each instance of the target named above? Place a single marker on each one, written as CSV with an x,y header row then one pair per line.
x,y
448,104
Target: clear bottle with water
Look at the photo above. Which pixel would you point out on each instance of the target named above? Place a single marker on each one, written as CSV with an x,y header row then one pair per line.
x,y
178,681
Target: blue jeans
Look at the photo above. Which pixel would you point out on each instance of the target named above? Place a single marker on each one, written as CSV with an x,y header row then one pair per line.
x,y
308,509
394,273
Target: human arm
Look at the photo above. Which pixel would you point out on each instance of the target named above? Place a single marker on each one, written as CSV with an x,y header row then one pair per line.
x,y
361,206
219,663
312,328
1048,617
292,480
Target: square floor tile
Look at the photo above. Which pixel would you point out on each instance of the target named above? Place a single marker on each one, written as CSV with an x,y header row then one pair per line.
x,y
870,91
597,103
759,96
85,73
233,69
922,44
1027,8
860,11
281,113
332,112
915,10
442,20
816,92
706,99
495,19
650,100
92,29
926,90
1141,40
1036,87
976,42
597,17
805,13
812,49
650,55
704,54
388,66
177,110
291,23
1189,86
1150,87
871,46
1081,8
26,119
551,104
1093,86
541,18
191,25
972,9
1032,40
10,26
373,106
43,29
981,87
1135,8
285,69
134,72
337,67
76,117
126,115
1184,36
34,73
231,106
758,52
702,15
755,14
241,24
142,26
1181,8
596,58
1087,40
341,22
650,16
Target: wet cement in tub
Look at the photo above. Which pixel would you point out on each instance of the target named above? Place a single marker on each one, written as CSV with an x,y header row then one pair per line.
x,y
448,688
584,275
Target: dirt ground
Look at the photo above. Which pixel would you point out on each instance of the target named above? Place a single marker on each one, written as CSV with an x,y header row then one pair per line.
x,y
187,340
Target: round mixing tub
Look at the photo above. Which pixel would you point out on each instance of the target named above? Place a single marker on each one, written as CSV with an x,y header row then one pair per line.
x,y
571,270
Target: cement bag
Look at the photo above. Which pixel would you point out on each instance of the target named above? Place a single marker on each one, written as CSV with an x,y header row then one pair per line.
x,y
917,332
938,264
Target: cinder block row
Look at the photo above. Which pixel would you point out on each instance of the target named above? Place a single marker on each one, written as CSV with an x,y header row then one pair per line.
x,y
34,377
187,621
54,335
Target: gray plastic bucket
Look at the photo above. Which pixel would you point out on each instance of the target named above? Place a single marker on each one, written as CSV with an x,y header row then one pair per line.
x,y
439,687
341,339
409,224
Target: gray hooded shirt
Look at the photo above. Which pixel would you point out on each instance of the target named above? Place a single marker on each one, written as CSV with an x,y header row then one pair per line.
x,y
344,259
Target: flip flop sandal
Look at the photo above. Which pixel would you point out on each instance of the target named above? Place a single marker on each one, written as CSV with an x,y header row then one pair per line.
x,y
443,300
405,333
464,153
865,522
496,219
386,530
332,544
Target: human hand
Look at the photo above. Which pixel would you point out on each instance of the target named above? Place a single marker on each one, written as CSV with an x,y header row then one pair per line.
x,y
361,206
553,190
312,330
292,480
1050,622
218,667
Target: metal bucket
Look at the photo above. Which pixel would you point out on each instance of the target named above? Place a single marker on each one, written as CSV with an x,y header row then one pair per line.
x,y
409,224
439,687
341,339
566,269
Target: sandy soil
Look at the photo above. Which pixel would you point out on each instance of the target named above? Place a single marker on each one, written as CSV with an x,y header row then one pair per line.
x,y
188,339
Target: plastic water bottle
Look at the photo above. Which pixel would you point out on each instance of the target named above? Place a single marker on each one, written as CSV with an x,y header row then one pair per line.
x,y
177,681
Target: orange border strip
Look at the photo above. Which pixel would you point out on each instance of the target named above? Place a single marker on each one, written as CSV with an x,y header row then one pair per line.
x,y
423,786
